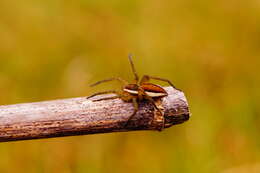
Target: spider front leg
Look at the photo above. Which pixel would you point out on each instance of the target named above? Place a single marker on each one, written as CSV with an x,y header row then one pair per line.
x,y
110,79
146,78
105,98
133,69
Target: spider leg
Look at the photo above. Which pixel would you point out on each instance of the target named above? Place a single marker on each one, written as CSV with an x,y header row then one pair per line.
x,y
146,78
107,98
135,104
153,102
110,79
104,92
154,105
159,110
133,68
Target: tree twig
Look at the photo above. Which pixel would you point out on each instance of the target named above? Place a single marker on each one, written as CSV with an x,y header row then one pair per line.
x,y
78,116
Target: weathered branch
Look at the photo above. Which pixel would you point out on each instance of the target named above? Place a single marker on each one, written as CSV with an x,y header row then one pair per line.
x,y
78,116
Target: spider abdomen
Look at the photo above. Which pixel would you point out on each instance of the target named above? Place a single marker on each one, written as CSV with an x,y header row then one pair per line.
x,y
150,89
153,90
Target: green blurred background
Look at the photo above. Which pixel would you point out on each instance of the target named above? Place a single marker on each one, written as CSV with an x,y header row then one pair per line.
x,y
209,49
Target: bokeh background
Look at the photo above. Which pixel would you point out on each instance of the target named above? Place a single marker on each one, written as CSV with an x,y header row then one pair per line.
x,y
210,49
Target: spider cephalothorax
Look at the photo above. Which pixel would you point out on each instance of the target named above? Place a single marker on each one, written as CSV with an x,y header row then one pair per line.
x,y
137,91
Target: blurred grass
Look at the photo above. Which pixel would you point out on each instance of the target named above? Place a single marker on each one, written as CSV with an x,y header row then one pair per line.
x,y
210,49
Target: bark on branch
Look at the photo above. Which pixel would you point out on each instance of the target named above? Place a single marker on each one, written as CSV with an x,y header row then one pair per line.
x,y
79,116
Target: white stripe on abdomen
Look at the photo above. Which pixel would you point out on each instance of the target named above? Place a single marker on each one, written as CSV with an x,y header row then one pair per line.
x,y
151,94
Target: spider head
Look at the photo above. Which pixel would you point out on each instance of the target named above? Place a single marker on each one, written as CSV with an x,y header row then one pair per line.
x,y
131,88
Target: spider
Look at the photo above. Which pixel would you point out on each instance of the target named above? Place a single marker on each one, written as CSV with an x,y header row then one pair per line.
x,y
137,91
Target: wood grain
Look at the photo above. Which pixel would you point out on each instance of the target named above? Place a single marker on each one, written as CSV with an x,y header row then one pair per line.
x,y
79,116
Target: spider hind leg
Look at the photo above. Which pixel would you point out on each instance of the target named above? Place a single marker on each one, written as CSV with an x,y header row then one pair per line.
x,y
156,118
146,78
135,104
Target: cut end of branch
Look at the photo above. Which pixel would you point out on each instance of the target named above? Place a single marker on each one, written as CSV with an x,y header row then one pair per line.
x,y
174,108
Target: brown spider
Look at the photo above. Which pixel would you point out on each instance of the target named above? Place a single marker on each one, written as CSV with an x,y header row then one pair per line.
x,y
136,91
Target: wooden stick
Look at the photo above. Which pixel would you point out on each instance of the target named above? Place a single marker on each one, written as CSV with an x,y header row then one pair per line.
x,y
79,116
